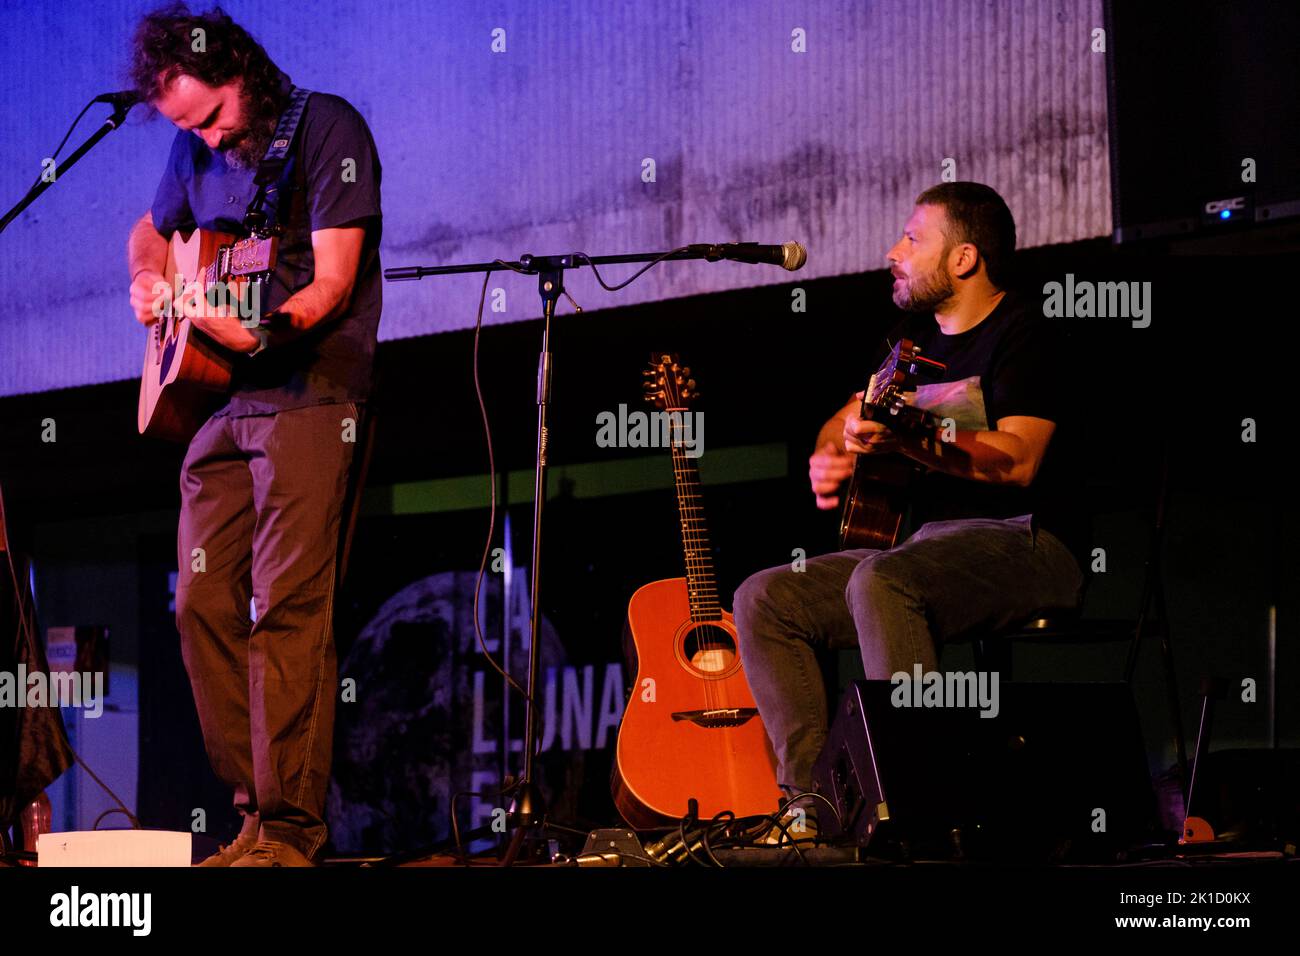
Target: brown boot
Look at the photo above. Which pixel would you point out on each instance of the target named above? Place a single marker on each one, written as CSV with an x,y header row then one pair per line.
x,y
226,855
270,853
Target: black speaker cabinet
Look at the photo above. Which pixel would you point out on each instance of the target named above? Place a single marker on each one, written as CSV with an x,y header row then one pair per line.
x,y
1058,775
1204,107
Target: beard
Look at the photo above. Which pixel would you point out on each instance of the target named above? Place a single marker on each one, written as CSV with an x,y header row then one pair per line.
x,y
925,293
248,145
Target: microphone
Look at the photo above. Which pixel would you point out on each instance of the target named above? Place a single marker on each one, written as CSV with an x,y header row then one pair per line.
x,y
788,255
123,99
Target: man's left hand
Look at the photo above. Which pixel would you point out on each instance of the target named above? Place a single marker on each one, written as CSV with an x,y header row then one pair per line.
x,y
865,437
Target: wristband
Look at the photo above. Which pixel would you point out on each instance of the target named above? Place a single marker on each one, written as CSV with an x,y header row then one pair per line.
x,y
266,324
273,321
262,337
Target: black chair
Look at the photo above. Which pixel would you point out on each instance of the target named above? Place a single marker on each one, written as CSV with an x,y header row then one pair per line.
x,y
1067,626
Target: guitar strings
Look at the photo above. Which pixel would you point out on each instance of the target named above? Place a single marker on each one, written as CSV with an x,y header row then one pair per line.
x,y
700,584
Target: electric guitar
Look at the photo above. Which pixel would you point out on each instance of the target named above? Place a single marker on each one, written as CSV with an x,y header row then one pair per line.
x,y
877,491
691,728
185,371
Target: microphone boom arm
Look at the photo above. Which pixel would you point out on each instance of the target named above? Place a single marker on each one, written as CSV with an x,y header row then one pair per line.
x,y
118,116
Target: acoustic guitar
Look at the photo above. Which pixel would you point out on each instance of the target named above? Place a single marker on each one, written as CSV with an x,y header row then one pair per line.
x,y
185,371
877,493
691,728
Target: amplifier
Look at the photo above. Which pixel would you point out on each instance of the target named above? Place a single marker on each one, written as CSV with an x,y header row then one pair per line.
x,y
1057,772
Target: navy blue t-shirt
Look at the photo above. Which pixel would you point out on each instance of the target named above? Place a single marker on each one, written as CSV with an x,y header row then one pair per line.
x,y
331,180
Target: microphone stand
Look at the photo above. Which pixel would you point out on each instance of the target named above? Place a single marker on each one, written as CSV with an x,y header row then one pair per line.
x,y
528,808
118,116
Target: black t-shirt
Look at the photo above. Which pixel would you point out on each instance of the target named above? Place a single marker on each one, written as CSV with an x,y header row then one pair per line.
x,y
1011,363
331,180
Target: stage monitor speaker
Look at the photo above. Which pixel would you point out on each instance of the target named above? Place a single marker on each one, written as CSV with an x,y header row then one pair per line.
x,y
1204,115
1058,775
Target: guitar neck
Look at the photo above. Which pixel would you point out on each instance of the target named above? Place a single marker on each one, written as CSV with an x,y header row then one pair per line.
x,y
701,584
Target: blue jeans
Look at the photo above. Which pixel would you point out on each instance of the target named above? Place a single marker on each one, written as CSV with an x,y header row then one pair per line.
x,y
950,578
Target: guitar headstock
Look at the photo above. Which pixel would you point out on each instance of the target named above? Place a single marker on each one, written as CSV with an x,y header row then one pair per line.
x,y
886,395
668,384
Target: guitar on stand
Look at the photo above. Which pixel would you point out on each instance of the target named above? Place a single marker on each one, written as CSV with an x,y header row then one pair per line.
x,y
691,728
877,494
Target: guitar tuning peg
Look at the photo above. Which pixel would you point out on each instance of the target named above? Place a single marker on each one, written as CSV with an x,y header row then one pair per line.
x,y
690,383
686,370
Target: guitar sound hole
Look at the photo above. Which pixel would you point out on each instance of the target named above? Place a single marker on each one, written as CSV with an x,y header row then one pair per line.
x,y
710,649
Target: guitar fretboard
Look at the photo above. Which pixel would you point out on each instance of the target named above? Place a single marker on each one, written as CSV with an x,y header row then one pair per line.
x,y
701,584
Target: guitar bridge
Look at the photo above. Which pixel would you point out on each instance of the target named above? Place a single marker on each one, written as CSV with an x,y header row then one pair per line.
x,y
721,717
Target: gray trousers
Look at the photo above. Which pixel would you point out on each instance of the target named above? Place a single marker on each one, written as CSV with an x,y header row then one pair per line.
x,y
897,606
261,500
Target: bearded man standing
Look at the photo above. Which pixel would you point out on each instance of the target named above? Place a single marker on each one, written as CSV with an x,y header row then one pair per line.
x,y
263,480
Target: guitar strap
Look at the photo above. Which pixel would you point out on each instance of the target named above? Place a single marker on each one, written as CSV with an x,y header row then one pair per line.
x,y
271,168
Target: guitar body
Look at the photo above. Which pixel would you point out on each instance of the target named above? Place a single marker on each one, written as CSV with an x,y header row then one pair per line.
x,y
876,497
875,502
700,736
185,372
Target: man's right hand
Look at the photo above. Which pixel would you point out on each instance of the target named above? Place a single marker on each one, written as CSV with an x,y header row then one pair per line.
x,y
143,295
828,468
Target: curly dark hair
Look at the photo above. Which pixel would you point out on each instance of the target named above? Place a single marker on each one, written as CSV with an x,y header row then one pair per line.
x,y
164,48
978,215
